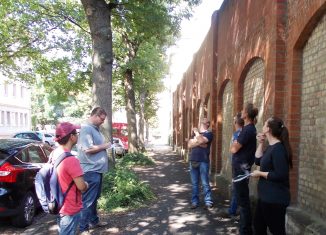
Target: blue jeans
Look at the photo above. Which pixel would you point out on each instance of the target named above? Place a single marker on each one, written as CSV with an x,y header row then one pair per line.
x,y
233,204
68,224
90,197
201,172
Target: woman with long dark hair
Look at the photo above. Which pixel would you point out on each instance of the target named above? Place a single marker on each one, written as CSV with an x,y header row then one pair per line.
x,y
273,184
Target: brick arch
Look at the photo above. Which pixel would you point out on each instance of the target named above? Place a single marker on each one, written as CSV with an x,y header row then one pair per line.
x,y
294,97
219,125
308,109
207,107
252,87
227,128
253,90
197,111
240,85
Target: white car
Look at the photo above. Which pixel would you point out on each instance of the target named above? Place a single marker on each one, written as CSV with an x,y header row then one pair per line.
x,y
49,139
36,135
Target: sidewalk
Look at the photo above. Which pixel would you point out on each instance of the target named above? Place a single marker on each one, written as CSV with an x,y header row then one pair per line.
x,y
170,214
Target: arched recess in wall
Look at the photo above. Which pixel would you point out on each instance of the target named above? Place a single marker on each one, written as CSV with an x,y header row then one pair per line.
x,y
196,120
251,85
312,151
184,130
207,107
226,114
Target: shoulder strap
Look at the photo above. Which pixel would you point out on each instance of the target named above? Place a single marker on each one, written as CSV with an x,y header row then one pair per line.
x,y
57,163
61,158
69,187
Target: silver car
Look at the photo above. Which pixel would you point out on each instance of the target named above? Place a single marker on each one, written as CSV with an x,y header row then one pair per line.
x,y
118,147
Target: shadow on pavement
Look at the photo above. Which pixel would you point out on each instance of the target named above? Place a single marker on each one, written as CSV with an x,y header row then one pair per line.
x,y
169,214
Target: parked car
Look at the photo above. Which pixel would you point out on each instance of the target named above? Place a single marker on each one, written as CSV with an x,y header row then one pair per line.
x,y
36,135
49,139
20,160
118,147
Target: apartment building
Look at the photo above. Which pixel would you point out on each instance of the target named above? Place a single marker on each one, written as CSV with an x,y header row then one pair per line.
x,y
15,107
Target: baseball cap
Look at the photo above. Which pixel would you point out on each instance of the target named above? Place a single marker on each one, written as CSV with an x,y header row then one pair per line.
x,y
63,129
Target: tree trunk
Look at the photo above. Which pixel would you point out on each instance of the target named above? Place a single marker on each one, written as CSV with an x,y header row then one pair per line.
x,y
131,112
98,14
147,130
142,120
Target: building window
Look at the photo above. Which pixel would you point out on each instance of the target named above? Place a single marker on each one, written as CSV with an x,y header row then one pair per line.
x,y
8,118
21,119
16,119
25,119
22,92
14,90
5,86
2,118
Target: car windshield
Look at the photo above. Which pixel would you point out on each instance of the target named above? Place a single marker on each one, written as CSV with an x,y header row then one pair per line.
x,y
39,135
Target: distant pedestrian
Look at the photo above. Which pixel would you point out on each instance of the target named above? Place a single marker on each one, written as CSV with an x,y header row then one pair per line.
x,y
94,161
243,157
273,184
69,170
238,125
199,163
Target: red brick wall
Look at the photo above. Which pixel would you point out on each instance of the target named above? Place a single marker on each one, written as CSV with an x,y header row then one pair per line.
x,y
242,31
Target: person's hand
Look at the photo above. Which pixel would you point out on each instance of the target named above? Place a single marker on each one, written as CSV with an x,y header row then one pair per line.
x,y
108,145
261,137
195,130
256,173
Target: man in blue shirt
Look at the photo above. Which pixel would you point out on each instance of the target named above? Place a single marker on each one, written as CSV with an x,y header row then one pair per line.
x,y
199,163
94,162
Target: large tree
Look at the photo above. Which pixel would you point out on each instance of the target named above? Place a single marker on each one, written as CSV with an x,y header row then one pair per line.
x,y
137,24
52,40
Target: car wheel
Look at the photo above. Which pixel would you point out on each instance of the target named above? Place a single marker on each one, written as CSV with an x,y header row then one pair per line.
x,y
26,211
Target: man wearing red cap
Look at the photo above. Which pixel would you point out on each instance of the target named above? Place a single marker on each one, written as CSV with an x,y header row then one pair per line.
x,y
69,170
94,162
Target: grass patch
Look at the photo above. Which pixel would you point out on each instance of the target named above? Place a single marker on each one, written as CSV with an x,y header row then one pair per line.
x,y
122,188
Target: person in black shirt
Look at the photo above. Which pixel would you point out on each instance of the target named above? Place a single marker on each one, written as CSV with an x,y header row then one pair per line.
x,y
273,184
243,157
199,164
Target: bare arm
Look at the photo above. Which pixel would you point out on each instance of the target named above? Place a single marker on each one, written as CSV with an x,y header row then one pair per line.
x,y
198,141
235,146
259,151
81,184
257,173
97,148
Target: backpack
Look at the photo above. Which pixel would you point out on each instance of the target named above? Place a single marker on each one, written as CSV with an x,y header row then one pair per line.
x,y
47,186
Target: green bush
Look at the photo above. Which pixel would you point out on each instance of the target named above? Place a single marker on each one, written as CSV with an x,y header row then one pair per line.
x,y
135,159
121,187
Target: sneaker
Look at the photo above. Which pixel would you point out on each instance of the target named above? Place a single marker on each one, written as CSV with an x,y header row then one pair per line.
x,y
99,224
85,233
208,206
193,206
